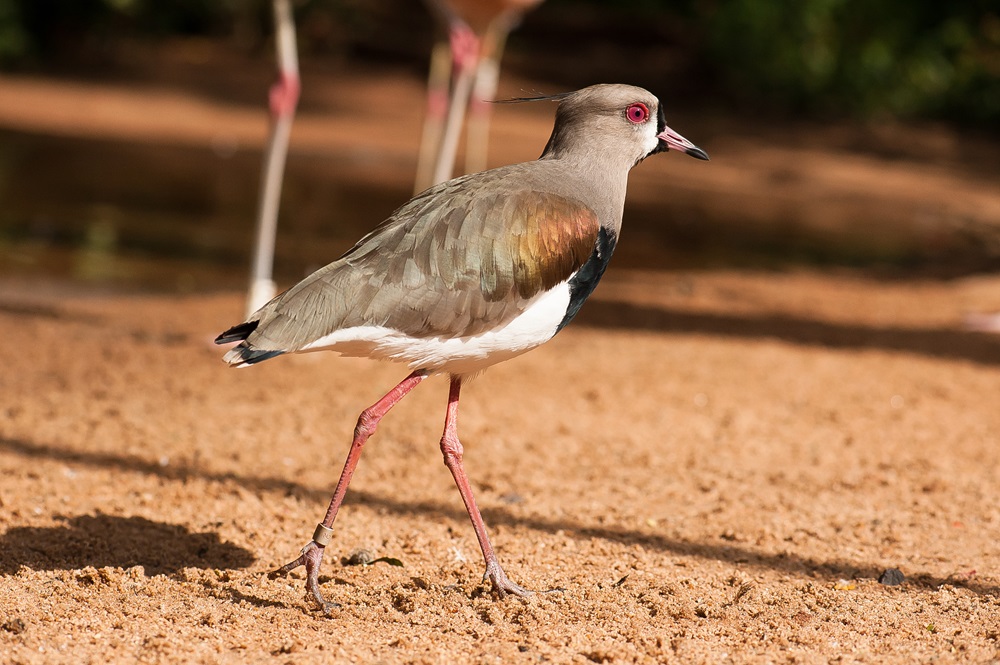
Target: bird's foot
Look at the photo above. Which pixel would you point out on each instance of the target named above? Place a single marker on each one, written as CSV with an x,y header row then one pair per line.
x,y
502,584
311,557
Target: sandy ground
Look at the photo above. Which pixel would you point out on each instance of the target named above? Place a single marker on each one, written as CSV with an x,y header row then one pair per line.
x,y
713,466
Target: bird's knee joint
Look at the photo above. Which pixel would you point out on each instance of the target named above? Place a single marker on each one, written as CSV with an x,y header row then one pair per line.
x,y
365,427
452,459
452,451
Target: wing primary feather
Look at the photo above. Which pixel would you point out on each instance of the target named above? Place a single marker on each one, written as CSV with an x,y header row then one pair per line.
x,y
238,332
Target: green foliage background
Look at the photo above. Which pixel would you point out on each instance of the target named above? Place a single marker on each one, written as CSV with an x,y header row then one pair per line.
x,y
907,58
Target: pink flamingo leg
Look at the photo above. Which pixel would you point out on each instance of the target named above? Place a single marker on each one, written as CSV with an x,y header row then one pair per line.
x,y
982,322
438,81
283,98
465,56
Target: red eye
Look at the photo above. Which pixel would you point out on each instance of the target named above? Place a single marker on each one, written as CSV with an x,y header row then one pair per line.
x,y
637,112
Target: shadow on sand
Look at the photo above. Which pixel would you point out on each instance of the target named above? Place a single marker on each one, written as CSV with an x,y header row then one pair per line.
x,y
142,538
119,542
946,343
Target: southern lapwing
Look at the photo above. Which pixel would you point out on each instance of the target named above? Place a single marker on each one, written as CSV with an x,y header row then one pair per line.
x,y
467,274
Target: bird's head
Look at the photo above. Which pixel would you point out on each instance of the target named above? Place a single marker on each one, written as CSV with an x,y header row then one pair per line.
x,y
613,120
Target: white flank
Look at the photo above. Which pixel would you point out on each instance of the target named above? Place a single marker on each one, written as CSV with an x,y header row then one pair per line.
x,y
459,355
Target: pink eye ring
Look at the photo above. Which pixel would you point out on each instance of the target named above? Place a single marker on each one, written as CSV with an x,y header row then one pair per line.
x,y
637,112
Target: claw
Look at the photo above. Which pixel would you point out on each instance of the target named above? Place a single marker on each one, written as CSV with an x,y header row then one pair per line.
x,y
502,584
311,557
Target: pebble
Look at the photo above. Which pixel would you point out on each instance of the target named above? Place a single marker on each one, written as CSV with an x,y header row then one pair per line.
x,y
891,577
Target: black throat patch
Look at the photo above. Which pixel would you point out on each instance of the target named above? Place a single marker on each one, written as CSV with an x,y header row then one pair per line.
x,y
583,283
661,124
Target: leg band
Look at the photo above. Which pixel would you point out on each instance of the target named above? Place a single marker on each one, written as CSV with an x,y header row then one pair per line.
x,y
323,535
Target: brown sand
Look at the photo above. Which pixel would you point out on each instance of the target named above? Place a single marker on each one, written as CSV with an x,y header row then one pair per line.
x,y
714,467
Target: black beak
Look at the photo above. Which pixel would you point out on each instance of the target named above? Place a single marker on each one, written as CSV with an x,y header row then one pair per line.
x,y
669,139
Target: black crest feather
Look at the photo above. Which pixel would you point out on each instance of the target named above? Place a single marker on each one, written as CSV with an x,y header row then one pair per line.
x,y
558,97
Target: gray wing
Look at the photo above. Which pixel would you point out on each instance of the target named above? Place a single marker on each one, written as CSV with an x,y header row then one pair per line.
x,y
461,258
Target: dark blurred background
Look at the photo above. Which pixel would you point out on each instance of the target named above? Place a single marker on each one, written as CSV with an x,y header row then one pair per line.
x,y
827,58
843,132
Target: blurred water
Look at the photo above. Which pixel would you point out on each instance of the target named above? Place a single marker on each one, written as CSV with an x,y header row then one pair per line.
x,y
180,219
169,218
166,218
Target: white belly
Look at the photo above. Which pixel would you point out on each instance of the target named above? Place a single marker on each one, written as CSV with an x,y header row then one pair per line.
x,y
460,355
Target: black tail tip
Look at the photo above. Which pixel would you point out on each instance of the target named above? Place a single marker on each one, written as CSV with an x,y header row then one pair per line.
x,y
242,355
257,356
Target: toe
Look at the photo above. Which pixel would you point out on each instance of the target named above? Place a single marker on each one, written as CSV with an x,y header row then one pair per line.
x,y
502,584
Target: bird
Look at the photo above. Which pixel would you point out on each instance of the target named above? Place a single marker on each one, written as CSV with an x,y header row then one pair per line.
x,y
469,273
283,97
463,79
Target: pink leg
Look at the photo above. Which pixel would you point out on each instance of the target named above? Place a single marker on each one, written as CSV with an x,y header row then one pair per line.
x,y
452,449
283,97
464,47
982,322
465,54
438,81
284,94
312,554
